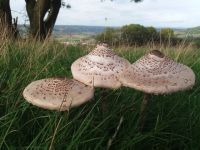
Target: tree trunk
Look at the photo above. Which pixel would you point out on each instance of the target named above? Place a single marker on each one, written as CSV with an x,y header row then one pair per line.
x,y
40,26
7,29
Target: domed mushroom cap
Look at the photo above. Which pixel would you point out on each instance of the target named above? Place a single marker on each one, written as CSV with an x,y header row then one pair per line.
x,y
100,68
157,74
57,93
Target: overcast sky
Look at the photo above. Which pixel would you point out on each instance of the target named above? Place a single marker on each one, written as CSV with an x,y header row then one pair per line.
x,y
158,13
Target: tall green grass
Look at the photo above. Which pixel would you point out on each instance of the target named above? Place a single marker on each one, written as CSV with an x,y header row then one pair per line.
x,y
173,121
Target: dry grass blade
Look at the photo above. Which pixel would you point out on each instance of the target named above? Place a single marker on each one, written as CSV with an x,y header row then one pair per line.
x,y
110,141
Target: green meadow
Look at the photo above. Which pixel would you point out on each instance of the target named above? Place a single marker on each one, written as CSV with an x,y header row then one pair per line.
x,y
172,122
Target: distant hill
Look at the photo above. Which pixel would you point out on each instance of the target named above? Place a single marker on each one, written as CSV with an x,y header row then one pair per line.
x,y
60,30
188,32
76,29
195,30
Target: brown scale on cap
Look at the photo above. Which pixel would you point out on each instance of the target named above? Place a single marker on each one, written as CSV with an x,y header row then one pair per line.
x,y
102,51
100,68
157,53
158,76
57,93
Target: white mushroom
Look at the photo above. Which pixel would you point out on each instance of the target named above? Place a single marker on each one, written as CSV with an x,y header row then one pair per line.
x,y
57,93
155,73
100,68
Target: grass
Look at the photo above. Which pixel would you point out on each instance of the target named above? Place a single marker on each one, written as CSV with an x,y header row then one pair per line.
x,y
173,121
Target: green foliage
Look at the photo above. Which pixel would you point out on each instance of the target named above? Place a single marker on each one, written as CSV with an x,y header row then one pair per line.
x,y
196,42
152,34
109,36
168,37
132,34
167,33
135,34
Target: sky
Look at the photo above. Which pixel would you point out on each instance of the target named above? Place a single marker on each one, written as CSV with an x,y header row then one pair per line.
x,y
157,13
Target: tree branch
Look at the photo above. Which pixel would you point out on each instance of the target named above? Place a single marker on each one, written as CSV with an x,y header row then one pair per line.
x,y
5,12
54,10
30,5
42,7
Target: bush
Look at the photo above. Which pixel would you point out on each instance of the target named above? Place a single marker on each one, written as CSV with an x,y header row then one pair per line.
x,y
152,34
168,37
110,36
196,42
167,33
135,34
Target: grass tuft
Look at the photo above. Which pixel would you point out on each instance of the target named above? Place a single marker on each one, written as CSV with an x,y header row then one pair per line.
x,y
173,121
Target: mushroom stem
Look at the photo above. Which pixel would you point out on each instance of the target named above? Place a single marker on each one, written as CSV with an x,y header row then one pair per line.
x,y
143,110
104,105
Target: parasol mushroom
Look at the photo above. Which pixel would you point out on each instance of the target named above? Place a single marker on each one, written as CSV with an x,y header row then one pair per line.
x,y
156,74
100,68
57,93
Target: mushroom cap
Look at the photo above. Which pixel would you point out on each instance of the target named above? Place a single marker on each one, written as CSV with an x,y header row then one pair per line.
x,y
100,68
155,73
57,93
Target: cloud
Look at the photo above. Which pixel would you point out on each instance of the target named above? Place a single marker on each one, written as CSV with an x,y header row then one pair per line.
x,y
160,13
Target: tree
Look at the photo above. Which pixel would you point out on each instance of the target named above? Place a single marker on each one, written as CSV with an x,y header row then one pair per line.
x,y
167,36
40,25
134,34
40,28
167,33
129,34
152,34
110,36
42,16
7,29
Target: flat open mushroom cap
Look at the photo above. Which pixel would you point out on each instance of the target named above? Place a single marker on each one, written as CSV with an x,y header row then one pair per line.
x,y
57,93
100,68
157,74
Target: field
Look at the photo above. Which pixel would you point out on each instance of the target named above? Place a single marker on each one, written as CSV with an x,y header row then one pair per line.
x,y
172,123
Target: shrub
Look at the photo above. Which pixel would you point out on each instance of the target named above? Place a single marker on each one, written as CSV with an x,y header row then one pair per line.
x,y
134,34
152,34
110,36
167,33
